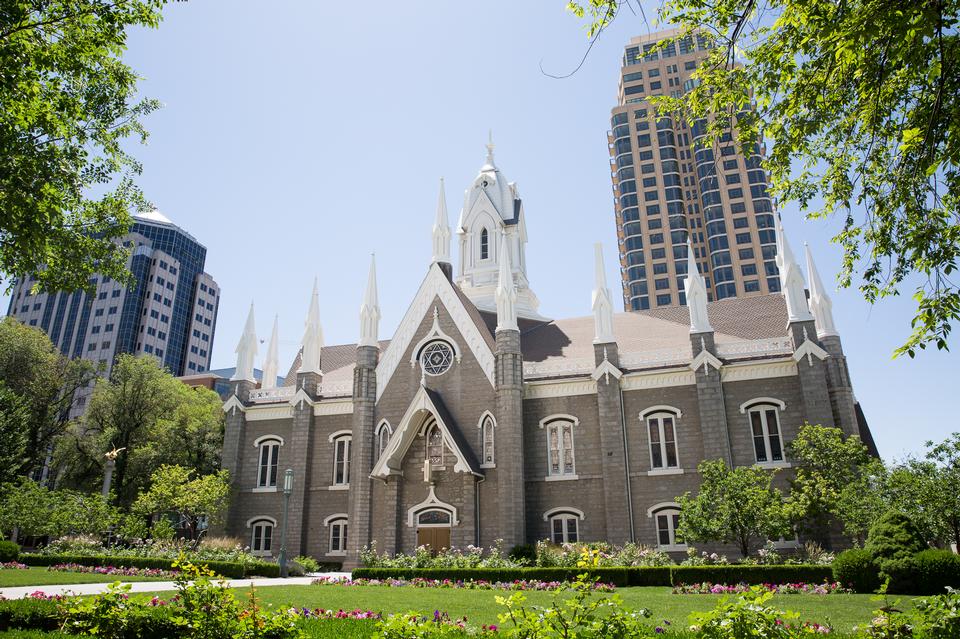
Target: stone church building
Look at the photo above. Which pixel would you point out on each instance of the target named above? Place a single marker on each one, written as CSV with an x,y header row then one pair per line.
x,y
482,420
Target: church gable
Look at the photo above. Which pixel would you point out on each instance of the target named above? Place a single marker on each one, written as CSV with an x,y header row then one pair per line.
x,y
475,338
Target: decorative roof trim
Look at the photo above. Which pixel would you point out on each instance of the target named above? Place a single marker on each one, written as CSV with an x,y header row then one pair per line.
x,y
434,285
300,398
234,404
559,510
705,358
435,333
809,350
432,503
606,369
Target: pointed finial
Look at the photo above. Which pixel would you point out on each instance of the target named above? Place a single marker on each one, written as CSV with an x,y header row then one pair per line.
x,y
490,147
370,309
246,350
506,293
602,304
791,279
312,342
820,304
695,290
272,361
441,230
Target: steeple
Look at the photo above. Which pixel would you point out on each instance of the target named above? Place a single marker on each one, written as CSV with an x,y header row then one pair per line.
x,y
820,304
272,362
791,279
489,164
246,351
441,230
506,293
602,305
695,290
312,336
370,309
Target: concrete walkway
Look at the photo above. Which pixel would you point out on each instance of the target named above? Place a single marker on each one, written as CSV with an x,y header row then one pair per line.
x,y
160,586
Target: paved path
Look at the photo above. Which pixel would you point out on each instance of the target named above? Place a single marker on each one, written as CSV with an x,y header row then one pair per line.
x,y
158,586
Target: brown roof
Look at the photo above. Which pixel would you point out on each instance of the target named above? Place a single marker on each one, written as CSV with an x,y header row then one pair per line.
x,y
662,330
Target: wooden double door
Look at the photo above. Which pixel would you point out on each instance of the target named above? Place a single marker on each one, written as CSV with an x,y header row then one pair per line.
x,y
436,538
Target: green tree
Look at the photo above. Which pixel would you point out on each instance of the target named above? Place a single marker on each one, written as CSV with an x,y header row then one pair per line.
x,y
14,426
859,104
175,489
67,105
738,506
31,510
836,479
894,536
928,490
45,384
153,417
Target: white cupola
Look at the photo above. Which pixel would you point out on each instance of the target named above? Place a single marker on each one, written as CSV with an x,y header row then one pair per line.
x,y
492,208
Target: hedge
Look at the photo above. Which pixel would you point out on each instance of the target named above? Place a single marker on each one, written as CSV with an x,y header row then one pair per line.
x,y
929,572
639,576
40,614
230,569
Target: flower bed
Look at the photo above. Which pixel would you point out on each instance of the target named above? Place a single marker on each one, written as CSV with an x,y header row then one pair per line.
x,y
13,565
469,584
223,568
321,613
121,571
708,588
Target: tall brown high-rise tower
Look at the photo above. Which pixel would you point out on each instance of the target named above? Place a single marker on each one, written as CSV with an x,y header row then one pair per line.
x,y
669,185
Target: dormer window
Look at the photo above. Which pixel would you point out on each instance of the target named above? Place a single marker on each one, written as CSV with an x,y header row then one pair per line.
x,y
484,244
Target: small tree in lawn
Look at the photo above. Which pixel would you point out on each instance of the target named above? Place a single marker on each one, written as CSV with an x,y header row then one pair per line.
x,y
738,506
175,489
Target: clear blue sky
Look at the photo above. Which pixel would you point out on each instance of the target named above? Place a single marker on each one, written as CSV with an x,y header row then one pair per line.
x,y
298,137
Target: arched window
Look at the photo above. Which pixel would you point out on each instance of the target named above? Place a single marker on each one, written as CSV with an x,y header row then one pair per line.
x,y
434,444
564,527
341,460
383,438
484,244
433,517
661,428
487,434
668,522
338,534
764,415
268,458
561,460
261,539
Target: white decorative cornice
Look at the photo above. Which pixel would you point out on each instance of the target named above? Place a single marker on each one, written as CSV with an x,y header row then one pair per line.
x,y
662,379
567,388
267,412
435,333
234,404
370,309
705,358
246,351
434,285
695,291
758,370
820,304
333,408
601,302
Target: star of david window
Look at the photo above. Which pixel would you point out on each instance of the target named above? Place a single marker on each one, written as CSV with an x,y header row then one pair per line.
x,y
436,358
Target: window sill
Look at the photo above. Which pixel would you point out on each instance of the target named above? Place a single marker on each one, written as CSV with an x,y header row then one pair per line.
x,y
561,477
488,465
664,471
337,553
673,548
339,487
261,553
265,489
773,465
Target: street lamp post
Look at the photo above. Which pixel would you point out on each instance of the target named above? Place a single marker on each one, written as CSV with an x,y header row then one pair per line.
x,y
287,489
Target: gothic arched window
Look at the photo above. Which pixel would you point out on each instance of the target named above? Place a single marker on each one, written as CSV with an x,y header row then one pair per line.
x,y
487,435
484,245
434,445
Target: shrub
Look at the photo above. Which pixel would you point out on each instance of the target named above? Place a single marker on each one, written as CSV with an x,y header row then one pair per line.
x,y
37,614
234,570
9,551
747,574
894,536
523,554
856,568
748,616
309,564
926,573
939,617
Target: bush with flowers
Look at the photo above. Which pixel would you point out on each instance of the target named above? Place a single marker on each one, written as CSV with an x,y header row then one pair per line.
x,y
459,584
703,559
801,588
114,570
749,615
13,565
208,549
550,555
455,558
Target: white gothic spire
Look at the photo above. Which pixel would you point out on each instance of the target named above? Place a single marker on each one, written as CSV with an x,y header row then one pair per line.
x,y
370,309
820,304
312,336
601,303
246,351
695,290
791,279
506,293
272,361
441,230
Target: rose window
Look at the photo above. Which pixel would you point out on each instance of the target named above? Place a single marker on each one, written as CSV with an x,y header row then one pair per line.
x,y
436,358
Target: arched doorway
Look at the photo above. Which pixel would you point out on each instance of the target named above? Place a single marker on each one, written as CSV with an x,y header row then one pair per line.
x,y
433,529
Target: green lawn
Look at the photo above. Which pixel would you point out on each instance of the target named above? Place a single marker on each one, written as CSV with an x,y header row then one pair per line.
x,y
480,606
37,576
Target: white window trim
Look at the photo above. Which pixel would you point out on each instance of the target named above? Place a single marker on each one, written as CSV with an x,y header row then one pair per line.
x,y
383,425
493,420
435,334
546,423
261,442
429,426
664,471
560,510
750,403
431,503
342,435
330,522
759,407
252,523
338,434
660,408
416,517
654,414
264,438
669,511
565,515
